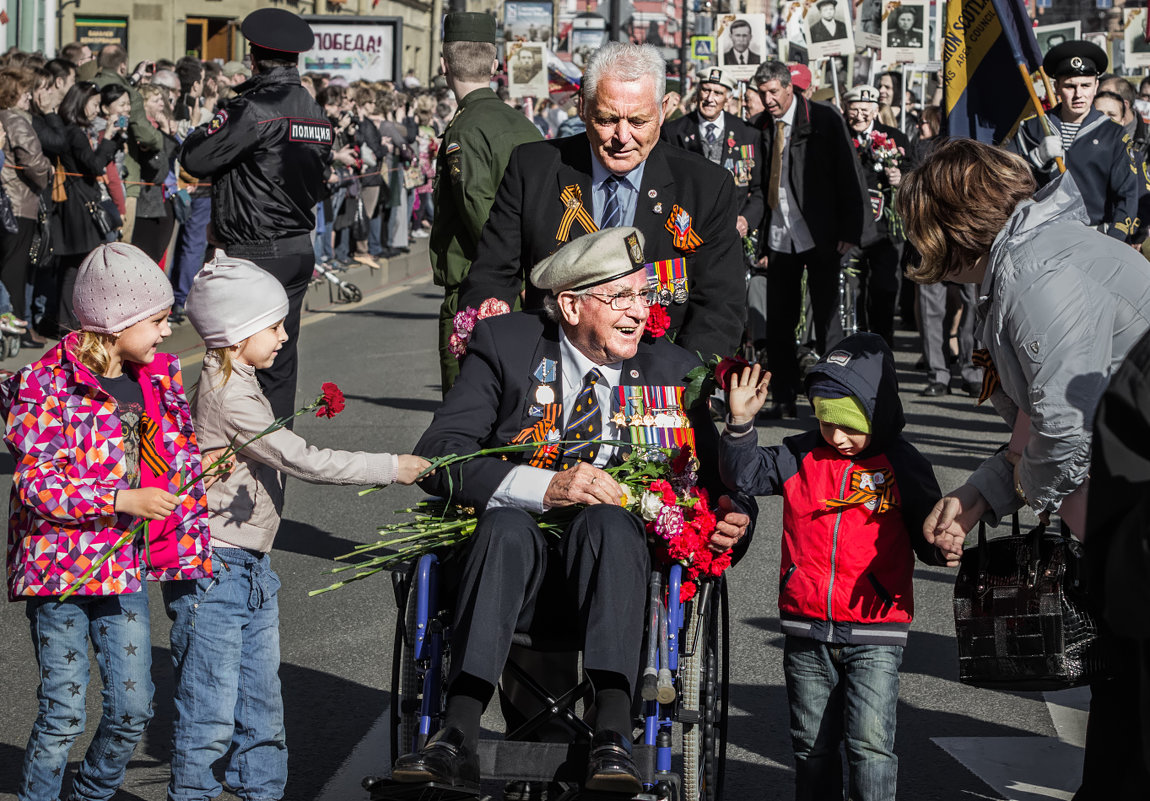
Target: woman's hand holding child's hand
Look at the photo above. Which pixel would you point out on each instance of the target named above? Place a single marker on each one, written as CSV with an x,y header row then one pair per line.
x,y
747,393
148,502
411,466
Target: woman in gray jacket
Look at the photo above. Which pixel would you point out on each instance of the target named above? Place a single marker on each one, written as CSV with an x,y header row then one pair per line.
x,y
1059,307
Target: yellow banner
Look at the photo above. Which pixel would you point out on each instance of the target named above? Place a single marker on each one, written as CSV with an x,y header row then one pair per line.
x,y
972,28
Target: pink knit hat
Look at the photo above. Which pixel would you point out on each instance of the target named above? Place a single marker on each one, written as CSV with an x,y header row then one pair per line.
x,y
117,286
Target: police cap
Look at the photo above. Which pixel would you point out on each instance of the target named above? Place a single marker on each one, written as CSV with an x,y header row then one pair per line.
x,y
277,29
1072,59
469,26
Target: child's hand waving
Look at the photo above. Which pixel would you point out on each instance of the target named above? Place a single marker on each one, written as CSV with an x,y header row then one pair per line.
x,y
747,393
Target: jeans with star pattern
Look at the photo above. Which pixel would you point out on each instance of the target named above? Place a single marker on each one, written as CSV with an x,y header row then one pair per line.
x,y
118,629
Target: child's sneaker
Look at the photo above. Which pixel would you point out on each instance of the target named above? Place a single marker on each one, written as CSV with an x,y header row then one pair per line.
x,y
11,324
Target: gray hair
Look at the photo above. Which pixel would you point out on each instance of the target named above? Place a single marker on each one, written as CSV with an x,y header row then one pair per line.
x,y
772,71
627,62
551,303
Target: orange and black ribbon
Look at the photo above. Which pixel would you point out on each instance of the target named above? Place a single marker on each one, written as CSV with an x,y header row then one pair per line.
x,y
867,486
990,382
150,454
545,453
684,236
572,197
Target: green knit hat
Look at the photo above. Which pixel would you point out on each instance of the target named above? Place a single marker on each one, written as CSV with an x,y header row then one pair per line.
x,y
848,412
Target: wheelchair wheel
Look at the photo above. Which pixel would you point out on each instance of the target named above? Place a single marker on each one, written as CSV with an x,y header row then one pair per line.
x,y
406,687
703,677
349,293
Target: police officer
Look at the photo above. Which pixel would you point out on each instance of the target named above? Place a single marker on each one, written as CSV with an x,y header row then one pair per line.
x,y
471,161
1095,148
266,153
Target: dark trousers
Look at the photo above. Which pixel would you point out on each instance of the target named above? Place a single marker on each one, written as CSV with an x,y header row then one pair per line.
x,y
514,579
67,268
16,263
279,381
878,288
784,302
152,234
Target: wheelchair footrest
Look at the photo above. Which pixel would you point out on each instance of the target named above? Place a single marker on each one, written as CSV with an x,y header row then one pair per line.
x,y
389,790
549,762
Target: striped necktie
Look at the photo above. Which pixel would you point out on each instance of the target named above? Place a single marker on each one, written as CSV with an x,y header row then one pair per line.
x,y
613,207
583,428
712,136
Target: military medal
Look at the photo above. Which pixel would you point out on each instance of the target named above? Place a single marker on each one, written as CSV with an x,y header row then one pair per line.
x,y
545,372
668,279
684,237
653,416
544,394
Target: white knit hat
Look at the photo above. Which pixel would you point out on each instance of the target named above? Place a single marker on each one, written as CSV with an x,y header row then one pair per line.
x,y
231,299
117,285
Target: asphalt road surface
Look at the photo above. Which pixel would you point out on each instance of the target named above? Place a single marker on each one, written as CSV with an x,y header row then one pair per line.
x,y
954,742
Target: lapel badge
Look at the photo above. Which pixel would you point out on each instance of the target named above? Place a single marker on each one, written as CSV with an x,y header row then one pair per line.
x,y
634,373
534,410
634,249
545,372
658,208
651,193
544,394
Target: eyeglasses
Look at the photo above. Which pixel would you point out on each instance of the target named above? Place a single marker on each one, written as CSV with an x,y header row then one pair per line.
x,y
625,300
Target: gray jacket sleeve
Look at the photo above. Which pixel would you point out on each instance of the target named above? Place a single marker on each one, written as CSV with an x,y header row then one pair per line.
x,y
289,453
1058,327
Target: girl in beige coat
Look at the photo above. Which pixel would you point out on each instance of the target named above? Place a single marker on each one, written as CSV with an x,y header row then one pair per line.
x,y
225,634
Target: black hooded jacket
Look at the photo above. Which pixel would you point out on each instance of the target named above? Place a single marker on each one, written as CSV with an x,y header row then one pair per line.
x,y
850,524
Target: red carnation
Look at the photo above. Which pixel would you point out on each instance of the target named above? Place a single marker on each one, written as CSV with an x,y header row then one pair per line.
x,y
332,402
728,365
682,461
686,591
658,321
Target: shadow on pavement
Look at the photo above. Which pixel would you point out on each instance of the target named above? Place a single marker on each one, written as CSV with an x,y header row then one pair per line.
x,y
411,404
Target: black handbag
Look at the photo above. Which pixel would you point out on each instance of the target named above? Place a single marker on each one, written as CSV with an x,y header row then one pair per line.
x,y
7,215
40,251
100,218
1021,616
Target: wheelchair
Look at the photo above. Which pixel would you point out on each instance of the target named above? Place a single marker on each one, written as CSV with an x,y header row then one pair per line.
x,y
683,691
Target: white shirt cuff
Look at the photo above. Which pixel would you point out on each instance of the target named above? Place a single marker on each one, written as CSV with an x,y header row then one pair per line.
x,y
523,488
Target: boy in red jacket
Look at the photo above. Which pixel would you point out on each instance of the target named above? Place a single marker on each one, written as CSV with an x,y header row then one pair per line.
x,y
855,495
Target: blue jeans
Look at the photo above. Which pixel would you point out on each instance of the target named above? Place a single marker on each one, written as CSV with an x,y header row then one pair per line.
x,y
192,246
226,653
322,243
118,628
843,693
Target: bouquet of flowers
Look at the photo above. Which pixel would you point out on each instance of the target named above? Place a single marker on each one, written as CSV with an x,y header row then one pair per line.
x,y
465,321
659,485
884,152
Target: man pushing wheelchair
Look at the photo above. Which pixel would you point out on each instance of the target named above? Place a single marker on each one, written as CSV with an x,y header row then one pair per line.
x,y
558,378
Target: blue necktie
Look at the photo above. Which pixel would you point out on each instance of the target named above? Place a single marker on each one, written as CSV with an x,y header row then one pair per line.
x,y
582,432
613,207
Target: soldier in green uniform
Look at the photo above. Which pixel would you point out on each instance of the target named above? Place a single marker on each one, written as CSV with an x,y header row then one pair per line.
x,y
472,158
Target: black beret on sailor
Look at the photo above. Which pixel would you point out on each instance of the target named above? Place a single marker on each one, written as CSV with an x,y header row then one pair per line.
x,y
1074,59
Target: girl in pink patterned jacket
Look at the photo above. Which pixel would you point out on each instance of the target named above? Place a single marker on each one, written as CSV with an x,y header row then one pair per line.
x,y
101,434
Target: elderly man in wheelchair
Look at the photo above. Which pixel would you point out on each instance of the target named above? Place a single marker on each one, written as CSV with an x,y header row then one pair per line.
x,y
528,377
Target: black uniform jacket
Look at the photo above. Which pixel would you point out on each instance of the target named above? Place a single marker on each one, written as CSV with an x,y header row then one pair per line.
x,y
266,153
824,173
492,401
526,219
742,157
880,193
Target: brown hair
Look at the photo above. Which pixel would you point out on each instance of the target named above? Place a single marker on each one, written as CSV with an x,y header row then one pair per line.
x,y
469,61
13,84
957,201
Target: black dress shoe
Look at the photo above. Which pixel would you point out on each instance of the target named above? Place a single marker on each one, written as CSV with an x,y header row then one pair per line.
x,y
780,410
444,759
972,388
611,769
935,388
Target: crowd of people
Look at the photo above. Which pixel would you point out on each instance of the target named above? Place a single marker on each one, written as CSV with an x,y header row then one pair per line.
x,y
661,230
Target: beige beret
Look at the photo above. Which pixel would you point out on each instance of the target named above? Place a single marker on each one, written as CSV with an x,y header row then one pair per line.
x,y
716,75
862,94
590,260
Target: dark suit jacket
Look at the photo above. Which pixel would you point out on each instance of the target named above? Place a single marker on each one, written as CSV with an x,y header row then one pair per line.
x,y
880,194
819,31
489,404
729,57
684,133
528,209
824,173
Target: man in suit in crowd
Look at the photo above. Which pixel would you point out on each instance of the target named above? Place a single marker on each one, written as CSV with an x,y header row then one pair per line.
x,y
618,173
826,28
815,210
740,51
724,139
528,377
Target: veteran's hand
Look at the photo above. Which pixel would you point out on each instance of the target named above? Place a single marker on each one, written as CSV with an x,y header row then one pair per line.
x,y
741,225
893,175
731,526
583,483
747,392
